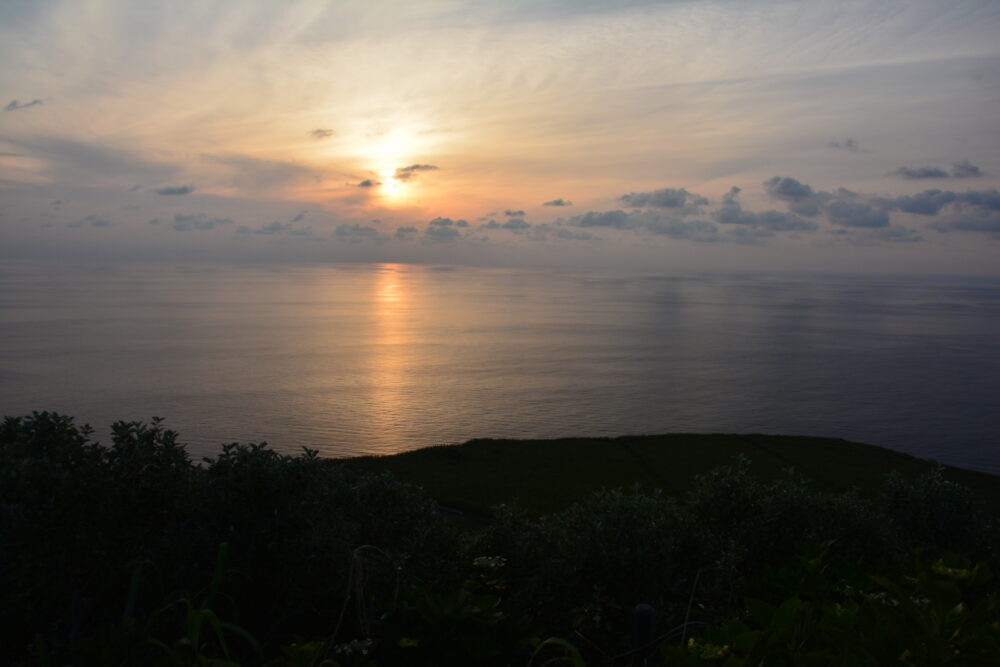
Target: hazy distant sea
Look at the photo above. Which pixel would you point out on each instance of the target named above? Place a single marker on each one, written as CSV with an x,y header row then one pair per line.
x,y
352,359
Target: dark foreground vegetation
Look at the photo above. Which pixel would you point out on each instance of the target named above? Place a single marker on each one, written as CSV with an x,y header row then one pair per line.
x,y
131,554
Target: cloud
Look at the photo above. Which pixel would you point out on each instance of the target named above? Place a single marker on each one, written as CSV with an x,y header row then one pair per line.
x,y
613,219
320,133
356,233
515,225
368,183
914,173
299,217
14,105
444,229
558,202
448,222
847,144
932,202
853,214
874,237
928,202
406,173
690,230
678,198
441,234
800,197
405,233
776,221
90,221
200,221
513,214
653,221
732,213
989,224
175,190
749,235
575,235
965,169
273,228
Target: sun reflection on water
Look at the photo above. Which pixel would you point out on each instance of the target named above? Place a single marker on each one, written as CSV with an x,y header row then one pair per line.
x,y
390,362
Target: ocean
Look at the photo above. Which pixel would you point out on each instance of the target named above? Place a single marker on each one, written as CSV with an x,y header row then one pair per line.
x,y
382,358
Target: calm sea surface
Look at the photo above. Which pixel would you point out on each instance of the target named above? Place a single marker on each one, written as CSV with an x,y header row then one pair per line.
x,y
384,358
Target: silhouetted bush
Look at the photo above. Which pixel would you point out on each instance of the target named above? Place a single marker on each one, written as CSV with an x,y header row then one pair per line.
x,y
298,555
932,512
78,519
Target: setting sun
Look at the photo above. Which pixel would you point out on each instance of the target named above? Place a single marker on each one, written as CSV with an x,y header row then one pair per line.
x,y
392,187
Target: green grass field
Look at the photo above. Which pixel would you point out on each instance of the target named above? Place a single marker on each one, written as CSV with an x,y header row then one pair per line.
x,y
547,475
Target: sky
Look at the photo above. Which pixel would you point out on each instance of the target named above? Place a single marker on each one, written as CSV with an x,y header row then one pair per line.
x,y
690,134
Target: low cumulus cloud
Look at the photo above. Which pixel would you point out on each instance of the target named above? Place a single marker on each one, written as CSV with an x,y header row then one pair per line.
x,y
963,169
874,237
444,229
356,233
367,183
916,173
513,224
407,173
278,228
801,198
856,214
847,144
272,228
732,213
90,221
612,219
321,133
405,233
197,221
511,213
700,231
972,210
574,235
14,105
652,221
675,198
558,202
175,190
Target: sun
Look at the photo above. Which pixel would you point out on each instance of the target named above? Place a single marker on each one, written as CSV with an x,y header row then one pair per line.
x,y
386,152
390,186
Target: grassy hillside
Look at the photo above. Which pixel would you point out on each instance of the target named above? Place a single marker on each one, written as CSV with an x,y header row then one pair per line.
x,y
549,475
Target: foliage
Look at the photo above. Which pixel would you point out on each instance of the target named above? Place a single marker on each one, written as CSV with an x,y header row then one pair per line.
x,y
934,512
106,557
84,527
935,615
